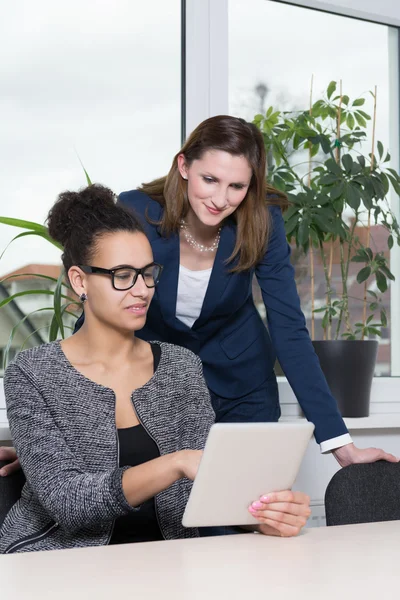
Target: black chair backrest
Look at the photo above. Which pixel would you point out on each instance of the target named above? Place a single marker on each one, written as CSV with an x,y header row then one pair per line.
x,y
10,491
364,494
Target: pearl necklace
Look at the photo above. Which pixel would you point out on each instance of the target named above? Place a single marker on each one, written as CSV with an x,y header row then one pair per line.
x,y
192,242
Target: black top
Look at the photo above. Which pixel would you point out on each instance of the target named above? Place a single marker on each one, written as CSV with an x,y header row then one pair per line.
x,y
137,447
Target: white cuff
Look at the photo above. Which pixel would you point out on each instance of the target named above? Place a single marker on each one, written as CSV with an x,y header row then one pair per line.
x,y
336,442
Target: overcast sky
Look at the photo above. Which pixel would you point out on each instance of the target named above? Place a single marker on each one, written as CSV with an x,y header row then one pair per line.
x,y
102,79
96,77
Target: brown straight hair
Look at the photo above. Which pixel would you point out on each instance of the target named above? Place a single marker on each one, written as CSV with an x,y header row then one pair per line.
x,y
239,138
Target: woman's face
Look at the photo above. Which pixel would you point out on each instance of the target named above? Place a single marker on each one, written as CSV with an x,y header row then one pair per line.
x,y
217,184
123,310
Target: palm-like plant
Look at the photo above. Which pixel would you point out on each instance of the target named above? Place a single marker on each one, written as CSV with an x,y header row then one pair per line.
x,y
64,303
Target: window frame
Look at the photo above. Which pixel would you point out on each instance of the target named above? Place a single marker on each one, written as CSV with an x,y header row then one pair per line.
x,y
207,86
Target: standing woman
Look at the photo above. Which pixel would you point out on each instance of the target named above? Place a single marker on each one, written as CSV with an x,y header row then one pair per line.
x,y
213,222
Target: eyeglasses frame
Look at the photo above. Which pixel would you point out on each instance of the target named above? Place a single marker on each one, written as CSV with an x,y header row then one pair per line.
x,y
88,269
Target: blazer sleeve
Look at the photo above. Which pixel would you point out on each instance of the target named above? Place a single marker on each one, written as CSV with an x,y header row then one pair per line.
x,y
289,335
72,497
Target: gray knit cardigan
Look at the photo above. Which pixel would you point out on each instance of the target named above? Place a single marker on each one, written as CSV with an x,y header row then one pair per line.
x,y
63,428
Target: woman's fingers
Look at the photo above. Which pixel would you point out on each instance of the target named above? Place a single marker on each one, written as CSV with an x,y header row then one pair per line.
x,y
281,529
9,454
286,496
280,517
286,512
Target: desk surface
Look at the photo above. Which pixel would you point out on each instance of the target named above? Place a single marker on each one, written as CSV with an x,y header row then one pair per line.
x,y
332,563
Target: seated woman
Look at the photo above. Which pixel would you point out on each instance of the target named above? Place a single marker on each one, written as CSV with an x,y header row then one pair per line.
x,y
109,429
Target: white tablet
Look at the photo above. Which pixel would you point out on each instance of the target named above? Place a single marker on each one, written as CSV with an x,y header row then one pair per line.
x,y
241,462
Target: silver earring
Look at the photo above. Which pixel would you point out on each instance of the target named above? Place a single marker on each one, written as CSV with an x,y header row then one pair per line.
x,y
83,298
183,177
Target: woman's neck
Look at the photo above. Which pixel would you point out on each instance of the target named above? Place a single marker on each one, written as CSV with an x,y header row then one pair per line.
x,y
204,234
94,343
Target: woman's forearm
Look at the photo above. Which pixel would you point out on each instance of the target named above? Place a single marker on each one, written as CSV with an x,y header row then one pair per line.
x,y
148,479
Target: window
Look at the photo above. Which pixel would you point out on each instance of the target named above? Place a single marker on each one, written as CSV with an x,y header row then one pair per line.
x,y
274,50
97,81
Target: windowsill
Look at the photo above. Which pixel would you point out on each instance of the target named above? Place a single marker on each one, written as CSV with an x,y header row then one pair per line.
x,y
384,407
383,421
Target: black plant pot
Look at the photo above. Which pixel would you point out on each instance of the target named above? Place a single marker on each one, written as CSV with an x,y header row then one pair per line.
x,y
349,369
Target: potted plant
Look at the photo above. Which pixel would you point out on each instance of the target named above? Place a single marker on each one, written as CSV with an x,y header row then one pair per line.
x,y
337,179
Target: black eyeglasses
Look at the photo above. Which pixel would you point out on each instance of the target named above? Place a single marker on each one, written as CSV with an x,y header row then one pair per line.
x,y
124,278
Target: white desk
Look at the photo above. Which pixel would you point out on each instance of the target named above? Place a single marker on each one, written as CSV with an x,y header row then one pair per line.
x,y
357,562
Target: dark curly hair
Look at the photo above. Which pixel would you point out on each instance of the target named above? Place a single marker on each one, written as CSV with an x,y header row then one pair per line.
x,y
79,219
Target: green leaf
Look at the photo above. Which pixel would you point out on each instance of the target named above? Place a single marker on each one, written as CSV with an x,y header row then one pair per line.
x,y
365,115
383,318
31,292
390,242
381,282
88,181
360,120
303,232
24,224
41,234
363,274
333,167
331,88
373,331
380,150
57,303
373,294
347,162
52,279
359,259
395,184
291,224
352,196
387,273
337,191
325,144
361,160
14,331
359,102
350,121
314,150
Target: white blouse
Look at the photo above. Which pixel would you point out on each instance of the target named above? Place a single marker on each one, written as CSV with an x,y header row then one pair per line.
x,y
192,287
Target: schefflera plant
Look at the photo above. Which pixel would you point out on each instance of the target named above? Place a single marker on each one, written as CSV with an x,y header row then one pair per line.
x,y
336,187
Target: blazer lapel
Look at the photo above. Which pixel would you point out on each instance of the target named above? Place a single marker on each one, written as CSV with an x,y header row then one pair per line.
x,y
220,274
166,252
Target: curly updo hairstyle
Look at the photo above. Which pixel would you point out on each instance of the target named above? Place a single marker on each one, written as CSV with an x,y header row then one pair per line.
x,y
79,219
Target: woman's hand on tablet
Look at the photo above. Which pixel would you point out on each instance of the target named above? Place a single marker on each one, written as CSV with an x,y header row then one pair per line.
x,y
281,513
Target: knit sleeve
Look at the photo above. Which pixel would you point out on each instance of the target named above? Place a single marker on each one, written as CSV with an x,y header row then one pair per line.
x,y
74,498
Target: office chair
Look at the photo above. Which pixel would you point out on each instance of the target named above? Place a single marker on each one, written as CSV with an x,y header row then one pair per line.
x,y
10,490
364,493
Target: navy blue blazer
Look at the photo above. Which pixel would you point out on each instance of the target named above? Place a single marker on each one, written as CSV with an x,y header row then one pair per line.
x,y
237,351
